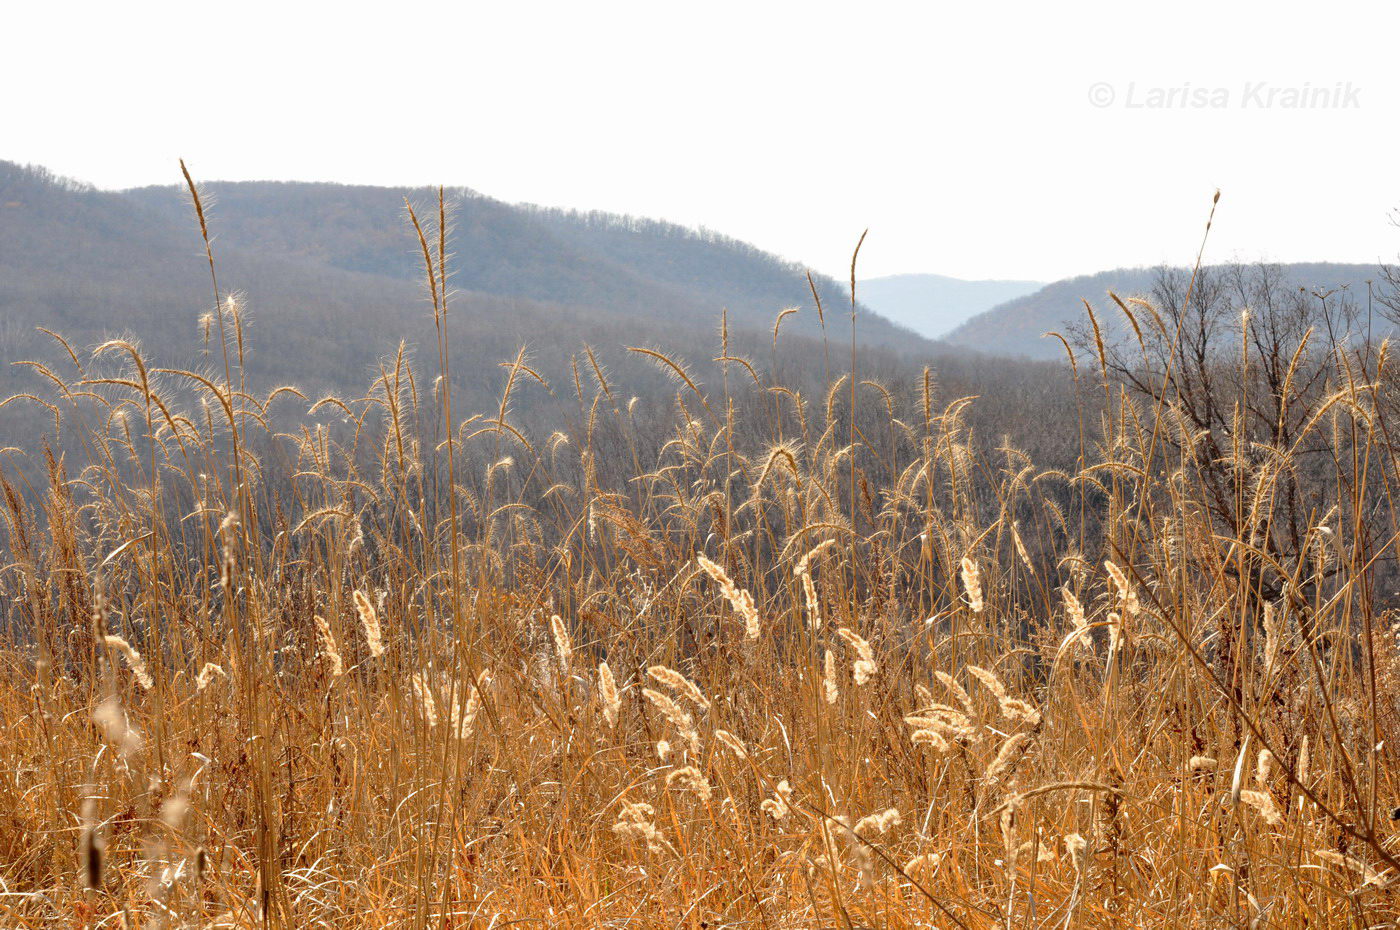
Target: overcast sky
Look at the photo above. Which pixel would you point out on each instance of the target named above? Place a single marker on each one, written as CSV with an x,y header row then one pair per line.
x,y
975,140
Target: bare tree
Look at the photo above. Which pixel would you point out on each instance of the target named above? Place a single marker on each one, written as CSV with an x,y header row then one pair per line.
x,y
1239,362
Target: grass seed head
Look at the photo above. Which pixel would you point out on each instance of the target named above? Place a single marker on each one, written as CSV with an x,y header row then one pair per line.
x,y
864,667
134,661
369,620
329,649
607,692
972,584
680,684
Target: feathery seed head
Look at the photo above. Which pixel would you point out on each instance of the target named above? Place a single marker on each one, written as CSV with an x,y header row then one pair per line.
x,y
679,684
607,691
864,667
369,620
972,584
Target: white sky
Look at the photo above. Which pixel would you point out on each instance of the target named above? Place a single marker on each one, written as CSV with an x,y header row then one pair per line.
x,y
962,134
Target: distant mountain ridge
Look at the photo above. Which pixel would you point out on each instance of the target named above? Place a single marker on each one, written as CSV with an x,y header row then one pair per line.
x,y
1017,327
933,305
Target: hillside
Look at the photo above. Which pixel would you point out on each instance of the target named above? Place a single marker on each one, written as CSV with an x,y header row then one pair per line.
x,y
646,269
331,281
1017,327
933,304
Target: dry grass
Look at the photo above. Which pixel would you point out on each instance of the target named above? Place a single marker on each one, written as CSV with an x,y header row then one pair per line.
x,y
846,675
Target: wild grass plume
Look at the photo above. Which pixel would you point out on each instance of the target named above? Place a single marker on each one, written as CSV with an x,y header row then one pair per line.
x,y
333,663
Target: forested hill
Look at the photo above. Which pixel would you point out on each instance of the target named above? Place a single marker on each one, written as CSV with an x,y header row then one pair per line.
x,y
330,278
655,271
1018,326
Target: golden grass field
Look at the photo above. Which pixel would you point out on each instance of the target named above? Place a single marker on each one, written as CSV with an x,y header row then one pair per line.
x,y
418,669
